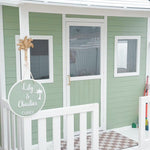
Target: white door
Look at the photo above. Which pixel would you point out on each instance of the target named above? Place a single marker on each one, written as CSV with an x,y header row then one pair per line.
x,y
84,63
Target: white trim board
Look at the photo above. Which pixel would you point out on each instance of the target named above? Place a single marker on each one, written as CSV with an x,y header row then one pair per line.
x,y
141,5
104,79
24,31
18,59
83,10
2,59
84,20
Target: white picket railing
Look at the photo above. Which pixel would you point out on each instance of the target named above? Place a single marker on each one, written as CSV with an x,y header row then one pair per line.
x,y
11,131
17,132
144,136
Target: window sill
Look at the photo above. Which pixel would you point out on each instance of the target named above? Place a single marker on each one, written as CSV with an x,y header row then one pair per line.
x,y
45,81
126,74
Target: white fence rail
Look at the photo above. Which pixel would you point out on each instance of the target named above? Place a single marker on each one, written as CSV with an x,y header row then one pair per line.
x,y
144,136
17,132
11,134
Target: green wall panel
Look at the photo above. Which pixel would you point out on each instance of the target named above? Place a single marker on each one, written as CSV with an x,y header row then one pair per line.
x,y
123,92
51,25
85,92
11,28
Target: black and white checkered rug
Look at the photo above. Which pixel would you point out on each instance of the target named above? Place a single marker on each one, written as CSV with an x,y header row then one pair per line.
x,y
110,140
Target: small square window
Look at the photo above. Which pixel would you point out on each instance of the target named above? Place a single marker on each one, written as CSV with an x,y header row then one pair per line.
x,y
127,55
41,59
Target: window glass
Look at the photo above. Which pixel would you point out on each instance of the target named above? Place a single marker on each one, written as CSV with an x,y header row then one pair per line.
x,y
84,51
126,55
39,58
122,54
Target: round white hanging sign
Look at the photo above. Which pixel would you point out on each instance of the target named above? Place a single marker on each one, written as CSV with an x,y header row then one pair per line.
x,y
26,97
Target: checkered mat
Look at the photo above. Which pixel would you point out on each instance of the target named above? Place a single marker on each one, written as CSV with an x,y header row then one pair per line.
x,y
110,140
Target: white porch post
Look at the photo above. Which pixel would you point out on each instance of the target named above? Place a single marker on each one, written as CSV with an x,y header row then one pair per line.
x,y
25,72
64,73
24,31
104,79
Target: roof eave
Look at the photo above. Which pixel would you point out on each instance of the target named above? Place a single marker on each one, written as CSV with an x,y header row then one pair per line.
x,y
17,4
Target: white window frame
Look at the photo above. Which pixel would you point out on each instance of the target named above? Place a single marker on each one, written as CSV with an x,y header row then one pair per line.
x,y
138,38
50,52
90,23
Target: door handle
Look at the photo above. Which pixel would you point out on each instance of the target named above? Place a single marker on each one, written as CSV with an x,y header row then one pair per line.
x,y
69,80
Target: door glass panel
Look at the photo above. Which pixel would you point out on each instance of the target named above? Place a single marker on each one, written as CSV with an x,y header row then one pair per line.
x,y
84,51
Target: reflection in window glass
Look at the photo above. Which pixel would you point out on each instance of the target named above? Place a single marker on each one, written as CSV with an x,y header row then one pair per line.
x,y
84,51
39,58
126,55
122,54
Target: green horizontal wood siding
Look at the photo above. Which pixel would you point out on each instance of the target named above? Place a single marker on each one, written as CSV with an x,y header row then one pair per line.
x,y
51,25
123,92
11,28
85,92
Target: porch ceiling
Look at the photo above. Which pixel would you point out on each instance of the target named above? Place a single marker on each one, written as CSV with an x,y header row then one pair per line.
x,y
143,5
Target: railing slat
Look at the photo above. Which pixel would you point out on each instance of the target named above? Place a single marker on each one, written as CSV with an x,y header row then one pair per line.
x,y
95,129
19,135
27,134
4,127
13,131
42,134
56,133
9,129
83,131
70,132
142,110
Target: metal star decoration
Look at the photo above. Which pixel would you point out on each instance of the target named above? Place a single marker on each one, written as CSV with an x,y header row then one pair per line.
x,y
24,45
